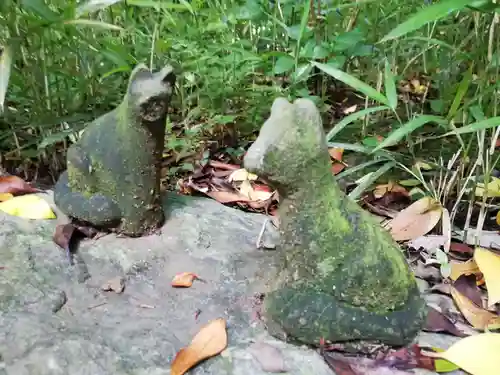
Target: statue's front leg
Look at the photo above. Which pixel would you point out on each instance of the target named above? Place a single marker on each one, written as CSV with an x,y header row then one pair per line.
x,y
74,195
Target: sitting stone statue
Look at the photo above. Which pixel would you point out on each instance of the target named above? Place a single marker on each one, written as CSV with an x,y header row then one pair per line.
x,y
341,276
113,172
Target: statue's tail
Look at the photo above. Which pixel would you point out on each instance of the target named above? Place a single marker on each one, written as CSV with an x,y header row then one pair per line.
x,y
97,209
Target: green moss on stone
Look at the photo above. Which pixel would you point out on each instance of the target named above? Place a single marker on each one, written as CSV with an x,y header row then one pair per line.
x,y
113,171
337,264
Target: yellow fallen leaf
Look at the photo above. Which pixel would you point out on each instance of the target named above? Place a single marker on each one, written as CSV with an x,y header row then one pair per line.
x,y
29,206
476,354
493,188
241,175
209,341
246,188
5,197
478,317
489,264
463,268
416,220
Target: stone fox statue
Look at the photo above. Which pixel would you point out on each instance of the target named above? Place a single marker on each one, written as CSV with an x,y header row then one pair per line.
x,y
340,277
113,172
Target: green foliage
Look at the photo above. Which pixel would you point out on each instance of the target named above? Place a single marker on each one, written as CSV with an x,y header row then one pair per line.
x,y
66,62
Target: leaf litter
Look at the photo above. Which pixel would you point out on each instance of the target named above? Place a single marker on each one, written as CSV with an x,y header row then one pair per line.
x,y
210,340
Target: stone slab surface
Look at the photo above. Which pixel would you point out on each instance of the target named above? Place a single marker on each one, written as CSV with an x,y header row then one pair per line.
x,y
55,319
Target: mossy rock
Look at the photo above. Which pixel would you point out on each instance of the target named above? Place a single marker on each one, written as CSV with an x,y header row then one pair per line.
x,y
341,276
113,171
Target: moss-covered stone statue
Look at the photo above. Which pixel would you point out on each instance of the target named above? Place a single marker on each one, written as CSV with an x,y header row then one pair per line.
x,y
113,172
341,276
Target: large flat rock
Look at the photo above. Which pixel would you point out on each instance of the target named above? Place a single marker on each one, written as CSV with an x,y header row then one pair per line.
x,y
55,319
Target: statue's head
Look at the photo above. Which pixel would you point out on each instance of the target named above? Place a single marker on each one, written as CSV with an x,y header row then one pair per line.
x,y
148,93
290,143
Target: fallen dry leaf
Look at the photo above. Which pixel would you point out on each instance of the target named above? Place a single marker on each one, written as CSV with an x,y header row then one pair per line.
x,y
428,242
208,342
269,357
489,264
466,285
350,109
416,220
63,235
396,365
443,288
437,322
5,196
337,168
463,268
476,354
227,196
28,206
460,247
391,187
16,185
478,317
223,166
116,284
241,175
184,280
336,153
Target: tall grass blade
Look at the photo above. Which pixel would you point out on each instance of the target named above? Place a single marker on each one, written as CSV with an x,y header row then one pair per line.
x,y
353,117
462,90
367,182
41,9
476,126
352,81
398,134
390,86
430,13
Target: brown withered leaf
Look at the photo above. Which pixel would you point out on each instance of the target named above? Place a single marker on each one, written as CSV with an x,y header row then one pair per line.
x,y
416,220
443,288
184,280
337,168
437,322
208,342
116,284
223,166
344,365
427,272
460,247
227,196
428,242
16,185
467,286
478,317
63,235
269,357
391,187
406,358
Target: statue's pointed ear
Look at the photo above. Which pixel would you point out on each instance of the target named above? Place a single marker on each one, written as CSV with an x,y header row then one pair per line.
x,y
167,75
141,71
